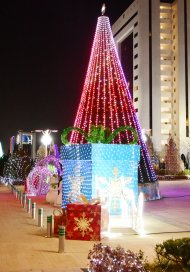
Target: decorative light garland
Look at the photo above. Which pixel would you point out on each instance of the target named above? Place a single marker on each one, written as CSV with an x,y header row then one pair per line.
x,y
99,134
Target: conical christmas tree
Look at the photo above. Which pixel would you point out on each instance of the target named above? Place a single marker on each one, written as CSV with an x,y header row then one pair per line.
x,y
172,159
106,101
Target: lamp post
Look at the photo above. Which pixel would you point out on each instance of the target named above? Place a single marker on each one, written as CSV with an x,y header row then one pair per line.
x,y
46,138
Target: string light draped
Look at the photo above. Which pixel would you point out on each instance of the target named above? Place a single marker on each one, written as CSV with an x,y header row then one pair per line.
x,y
106,99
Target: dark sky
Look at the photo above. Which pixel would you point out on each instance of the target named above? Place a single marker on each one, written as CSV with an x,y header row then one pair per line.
x,y
44,53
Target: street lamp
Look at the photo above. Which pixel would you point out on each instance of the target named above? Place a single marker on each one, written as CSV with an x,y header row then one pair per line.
x,y
46,138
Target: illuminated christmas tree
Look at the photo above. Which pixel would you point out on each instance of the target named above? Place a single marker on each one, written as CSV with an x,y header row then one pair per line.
x,y
172,159
106,99
17,167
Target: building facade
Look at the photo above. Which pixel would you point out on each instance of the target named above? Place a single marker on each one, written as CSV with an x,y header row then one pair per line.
x,y
155,36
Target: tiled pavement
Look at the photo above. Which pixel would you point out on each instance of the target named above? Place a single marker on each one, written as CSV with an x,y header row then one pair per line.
x,y
24,247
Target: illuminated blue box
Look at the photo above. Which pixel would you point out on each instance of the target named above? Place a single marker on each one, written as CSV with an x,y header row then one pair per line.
x,y
108,171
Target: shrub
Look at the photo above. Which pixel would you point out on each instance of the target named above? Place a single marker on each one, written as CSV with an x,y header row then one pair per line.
x,y
174,252
104,258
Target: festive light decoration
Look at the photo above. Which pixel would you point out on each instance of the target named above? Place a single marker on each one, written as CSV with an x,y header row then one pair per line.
x,y
173,162
105,258
38,180
104,171
17,168
83,222
106,100
51,160
99,134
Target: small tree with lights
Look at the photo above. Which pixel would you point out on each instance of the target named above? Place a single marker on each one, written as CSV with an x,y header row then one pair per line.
x,y
173,162
17,167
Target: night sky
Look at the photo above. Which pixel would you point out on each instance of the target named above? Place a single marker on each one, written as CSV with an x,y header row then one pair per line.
x,y
44,53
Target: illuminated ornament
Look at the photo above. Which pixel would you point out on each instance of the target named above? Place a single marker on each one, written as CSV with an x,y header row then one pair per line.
x,y
39,178
106,101
52,163
38,181
83,224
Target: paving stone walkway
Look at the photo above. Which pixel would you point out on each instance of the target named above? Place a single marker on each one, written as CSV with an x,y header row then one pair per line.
x,y
24,247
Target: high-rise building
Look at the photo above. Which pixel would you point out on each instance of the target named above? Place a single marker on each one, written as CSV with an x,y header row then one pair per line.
x,y
153,41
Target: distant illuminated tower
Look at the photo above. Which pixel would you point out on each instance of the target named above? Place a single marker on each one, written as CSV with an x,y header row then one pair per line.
x,y
106,99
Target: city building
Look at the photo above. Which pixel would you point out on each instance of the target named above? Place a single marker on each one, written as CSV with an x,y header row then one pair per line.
x,y
153,42
30,141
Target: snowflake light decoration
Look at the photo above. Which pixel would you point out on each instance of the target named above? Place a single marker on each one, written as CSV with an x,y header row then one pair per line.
x,y
83,224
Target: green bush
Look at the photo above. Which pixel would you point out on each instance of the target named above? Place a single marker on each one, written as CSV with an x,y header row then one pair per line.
x,y
173,255
185,172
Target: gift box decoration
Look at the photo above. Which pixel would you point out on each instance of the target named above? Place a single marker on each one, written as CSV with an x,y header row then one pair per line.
x,y
108,171
100,152
83,222
77,180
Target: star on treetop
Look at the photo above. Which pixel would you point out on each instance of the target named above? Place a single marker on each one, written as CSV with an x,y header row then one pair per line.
x,y
103,9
